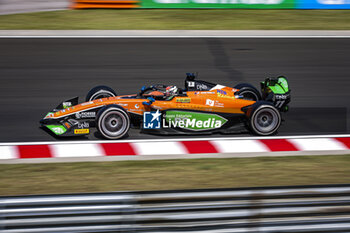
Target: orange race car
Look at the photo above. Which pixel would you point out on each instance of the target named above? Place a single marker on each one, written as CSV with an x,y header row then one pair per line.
x,y
201,107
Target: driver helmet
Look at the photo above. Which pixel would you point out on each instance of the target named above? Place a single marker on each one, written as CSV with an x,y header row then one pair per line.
x,y
171,90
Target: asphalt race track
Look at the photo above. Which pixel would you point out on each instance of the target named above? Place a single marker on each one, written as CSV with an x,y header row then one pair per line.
x,y
37,74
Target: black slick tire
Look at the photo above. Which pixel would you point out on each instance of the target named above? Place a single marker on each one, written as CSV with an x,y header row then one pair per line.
x,y
99,92
112,121
265,120
248,91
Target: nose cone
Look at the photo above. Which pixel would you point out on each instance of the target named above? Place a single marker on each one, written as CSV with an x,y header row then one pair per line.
x,y
43,121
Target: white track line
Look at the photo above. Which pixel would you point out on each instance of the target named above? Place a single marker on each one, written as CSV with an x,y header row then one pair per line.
x,y
241,146
77,150
159,148
318,144
8,152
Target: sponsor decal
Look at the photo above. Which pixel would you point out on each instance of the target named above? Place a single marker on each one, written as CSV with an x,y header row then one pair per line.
x,y
79,115
67,104
57,129
202,86
83,125
221,92
191,84
151,120
226,96
183,100
213,103
87,103
209,102
183,119
192,120
204,92
280,100
81,131
137,106
218,104
281,97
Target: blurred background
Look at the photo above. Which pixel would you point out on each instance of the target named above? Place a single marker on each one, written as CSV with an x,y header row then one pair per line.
x,y
38,72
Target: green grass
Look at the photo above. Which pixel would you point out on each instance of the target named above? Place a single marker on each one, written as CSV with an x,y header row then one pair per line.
x,y
185,19
172,174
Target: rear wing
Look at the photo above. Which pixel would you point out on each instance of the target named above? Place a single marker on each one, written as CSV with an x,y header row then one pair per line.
x,y
277,91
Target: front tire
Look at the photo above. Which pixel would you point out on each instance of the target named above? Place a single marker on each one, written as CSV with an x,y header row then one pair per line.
x,y
100,92
265,120
112,122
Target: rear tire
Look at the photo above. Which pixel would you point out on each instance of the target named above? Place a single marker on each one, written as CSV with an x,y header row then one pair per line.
x,y
265,120
100,92
248,91
112,122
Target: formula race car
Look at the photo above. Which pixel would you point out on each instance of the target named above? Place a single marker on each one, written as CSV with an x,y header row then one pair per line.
x,y
200,107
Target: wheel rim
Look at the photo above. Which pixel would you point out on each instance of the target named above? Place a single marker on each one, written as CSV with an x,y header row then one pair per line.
x,y
266,120
249,95
114,123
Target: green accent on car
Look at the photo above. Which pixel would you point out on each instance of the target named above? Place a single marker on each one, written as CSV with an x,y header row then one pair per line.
x,y
281,86
284,83
66,105
49,114
193,120
57,129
